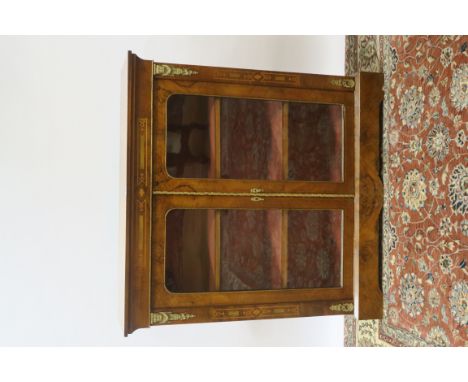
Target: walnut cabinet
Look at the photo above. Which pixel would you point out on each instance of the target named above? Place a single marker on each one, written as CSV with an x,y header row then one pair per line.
x,y
250,194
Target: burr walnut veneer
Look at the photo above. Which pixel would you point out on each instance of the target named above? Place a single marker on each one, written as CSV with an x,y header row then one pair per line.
x,y
250,194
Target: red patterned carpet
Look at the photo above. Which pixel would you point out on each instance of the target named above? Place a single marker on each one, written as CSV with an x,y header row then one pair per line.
x,y
425,156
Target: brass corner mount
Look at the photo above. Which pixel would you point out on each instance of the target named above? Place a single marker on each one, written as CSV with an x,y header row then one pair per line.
x,y
165,70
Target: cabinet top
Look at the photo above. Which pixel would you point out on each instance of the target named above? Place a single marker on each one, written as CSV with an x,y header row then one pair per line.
x,y
251,76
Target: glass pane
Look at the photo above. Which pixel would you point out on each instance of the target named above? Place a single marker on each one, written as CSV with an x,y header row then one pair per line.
x,y
251,139
234,249
314,248
234,138
315,142
189,131
188,251
250,249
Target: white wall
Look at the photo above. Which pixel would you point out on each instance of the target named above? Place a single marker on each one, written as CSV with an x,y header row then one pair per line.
x,y
61,271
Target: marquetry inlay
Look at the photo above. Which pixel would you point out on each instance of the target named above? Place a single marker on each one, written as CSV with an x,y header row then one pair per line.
x,y
248,313
262,77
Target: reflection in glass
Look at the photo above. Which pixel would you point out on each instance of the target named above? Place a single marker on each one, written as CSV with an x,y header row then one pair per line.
x,y
315,142
188,136
234,249
251,139
314,248
250,249
187,251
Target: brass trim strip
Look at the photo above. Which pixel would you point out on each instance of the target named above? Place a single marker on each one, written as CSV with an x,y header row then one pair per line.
x,y
217,267
164,317
251,194
284,248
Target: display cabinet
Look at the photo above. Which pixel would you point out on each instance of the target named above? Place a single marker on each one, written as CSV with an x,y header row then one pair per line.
x,y
250,194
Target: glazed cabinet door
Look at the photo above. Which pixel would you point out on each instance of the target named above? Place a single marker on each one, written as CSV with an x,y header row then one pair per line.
x,y
253,195
218,137
219,250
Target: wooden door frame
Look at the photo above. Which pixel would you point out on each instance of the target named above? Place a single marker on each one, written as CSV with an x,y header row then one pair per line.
x,y
162,181
162,298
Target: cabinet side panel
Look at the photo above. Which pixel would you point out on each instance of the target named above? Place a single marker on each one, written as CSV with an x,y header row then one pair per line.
x,y
137,291
369,197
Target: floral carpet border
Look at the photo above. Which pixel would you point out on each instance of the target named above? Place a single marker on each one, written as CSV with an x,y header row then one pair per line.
x,y
375,54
